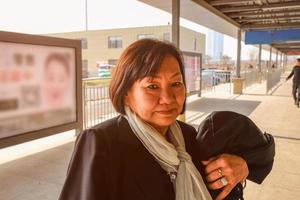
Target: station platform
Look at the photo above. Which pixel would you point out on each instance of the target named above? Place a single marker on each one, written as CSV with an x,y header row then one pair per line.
x,y
40,176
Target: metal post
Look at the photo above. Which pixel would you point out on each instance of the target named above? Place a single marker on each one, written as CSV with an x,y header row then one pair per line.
x,y
268,69
86,15
259,58
270,59
175,22
238,59
281,65
276,57
285,62
175,34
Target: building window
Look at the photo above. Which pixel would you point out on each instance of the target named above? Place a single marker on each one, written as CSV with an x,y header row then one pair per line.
x,y
84,43
167,37
112,61
142,36
195,44
84,68
115,42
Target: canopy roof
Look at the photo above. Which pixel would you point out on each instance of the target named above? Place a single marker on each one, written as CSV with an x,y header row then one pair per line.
x,y
256,14
290,48
249,15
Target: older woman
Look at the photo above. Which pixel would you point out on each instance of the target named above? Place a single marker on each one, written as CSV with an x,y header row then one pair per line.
x,y
145,153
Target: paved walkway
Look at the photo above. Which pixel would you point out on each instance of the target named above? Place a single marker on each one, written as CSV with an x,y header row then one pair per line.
x,y
40,176
275,114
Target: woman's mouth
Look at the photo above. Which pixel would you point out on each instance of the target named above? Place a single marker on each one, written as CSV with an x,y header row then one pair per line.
x,y
166,112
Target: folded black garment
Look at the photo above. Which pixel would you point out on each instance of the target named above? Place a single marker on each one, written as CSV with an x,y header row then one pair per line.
x,y
233,133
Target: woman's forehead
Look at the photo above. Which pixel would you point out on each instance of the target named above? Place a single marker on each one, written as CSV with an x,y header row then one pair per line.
x,y
163,75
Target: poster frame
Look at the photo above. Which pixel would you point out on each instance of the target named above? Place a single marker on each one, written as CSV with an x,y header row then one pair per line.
x,y
20,38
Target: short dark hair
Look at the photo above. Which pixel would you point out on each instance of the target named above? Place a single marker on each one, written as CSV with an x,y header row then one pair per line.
x,y
298,59
139,60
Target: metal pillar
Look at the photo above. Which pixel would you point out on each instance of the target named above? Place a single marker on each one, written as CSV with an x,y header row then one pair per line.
x,y
86,15
259,58
175,22
175,34
270,59
285,62
238,58
281,65
276,57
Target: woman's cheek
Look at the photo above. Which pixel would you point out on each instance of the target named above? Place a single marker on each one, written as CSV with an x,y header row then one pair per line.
x,y
151,96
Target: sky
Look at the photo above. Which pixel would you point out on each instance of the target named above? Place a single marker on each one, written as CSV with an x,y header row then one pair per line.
x,y
52,16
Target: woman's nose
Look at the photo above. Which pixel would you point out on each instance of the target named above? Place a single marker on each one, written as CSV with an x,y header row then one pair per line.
x,y
167,96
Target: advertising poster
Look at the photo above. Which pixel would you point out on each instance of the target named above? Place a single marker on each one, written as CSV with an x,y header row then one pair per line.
x,y
192,63
37,87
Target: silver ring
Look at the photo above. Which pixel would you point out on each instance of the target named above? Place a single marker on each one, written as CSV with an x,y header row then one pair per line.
x,y
224,181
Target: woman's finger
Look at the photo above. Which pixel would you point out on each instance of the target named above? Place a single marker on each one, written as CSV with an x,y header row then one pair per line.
x,y
220,183
215,164
206,162
214,175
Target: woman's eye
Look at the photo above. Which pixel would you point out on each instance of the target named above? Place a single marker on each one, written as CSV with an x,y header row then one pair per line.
x,y
177,84
152,87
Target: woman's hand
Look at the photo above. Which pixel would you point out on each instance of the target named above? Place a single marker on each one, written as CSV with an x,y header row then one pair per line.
x,y
225,171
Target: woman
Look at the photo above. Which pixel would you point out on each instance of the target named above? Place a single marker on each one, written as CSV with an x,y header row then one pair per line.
x,y
145,153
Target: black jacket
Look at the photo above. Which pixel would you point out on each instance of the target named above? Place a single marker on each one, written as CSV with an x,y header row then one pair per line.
x,y
233,133
110,163
296,73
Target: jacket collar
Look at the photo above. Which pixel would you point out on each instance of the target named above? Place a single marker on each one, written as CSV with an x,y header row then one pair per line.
x,y
152,181
126,134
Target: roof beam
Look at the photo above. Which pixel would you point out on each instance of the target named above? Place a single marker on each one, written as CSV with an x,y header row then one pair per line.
x,y
263,7
216,11
246,14
289,49
287,45
271,26
268,18
226,2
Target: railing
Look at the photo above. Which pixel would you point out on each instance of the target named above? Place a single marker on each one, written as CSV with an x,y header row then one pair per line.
x,y
222,81
250,78
97,106
273,77
216,81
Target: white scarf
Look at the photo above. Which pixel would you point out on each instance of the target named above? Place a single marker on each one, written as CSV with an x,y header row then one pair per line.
x,y
174,159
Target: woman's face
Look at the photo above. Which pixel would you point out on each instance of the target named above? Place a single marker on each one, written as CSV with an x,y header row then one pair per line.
x,y
159,100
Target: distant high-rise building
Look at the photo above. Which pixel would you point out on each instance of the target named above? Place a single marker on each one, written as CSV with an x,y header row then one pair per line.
x,y
214,45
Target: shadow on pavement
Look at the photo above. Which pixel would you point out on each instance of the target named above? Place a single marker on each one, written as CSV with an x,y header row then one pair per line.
x,y
208,105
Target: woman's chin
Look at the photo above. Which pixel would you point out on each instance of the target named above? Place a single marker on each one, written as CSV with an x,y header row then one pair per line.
x,y
163,122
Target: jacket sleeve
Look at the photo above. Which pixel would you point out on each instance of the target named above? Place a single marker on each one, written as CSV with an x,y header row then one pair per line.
x,y
86,178
260,160
291,74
